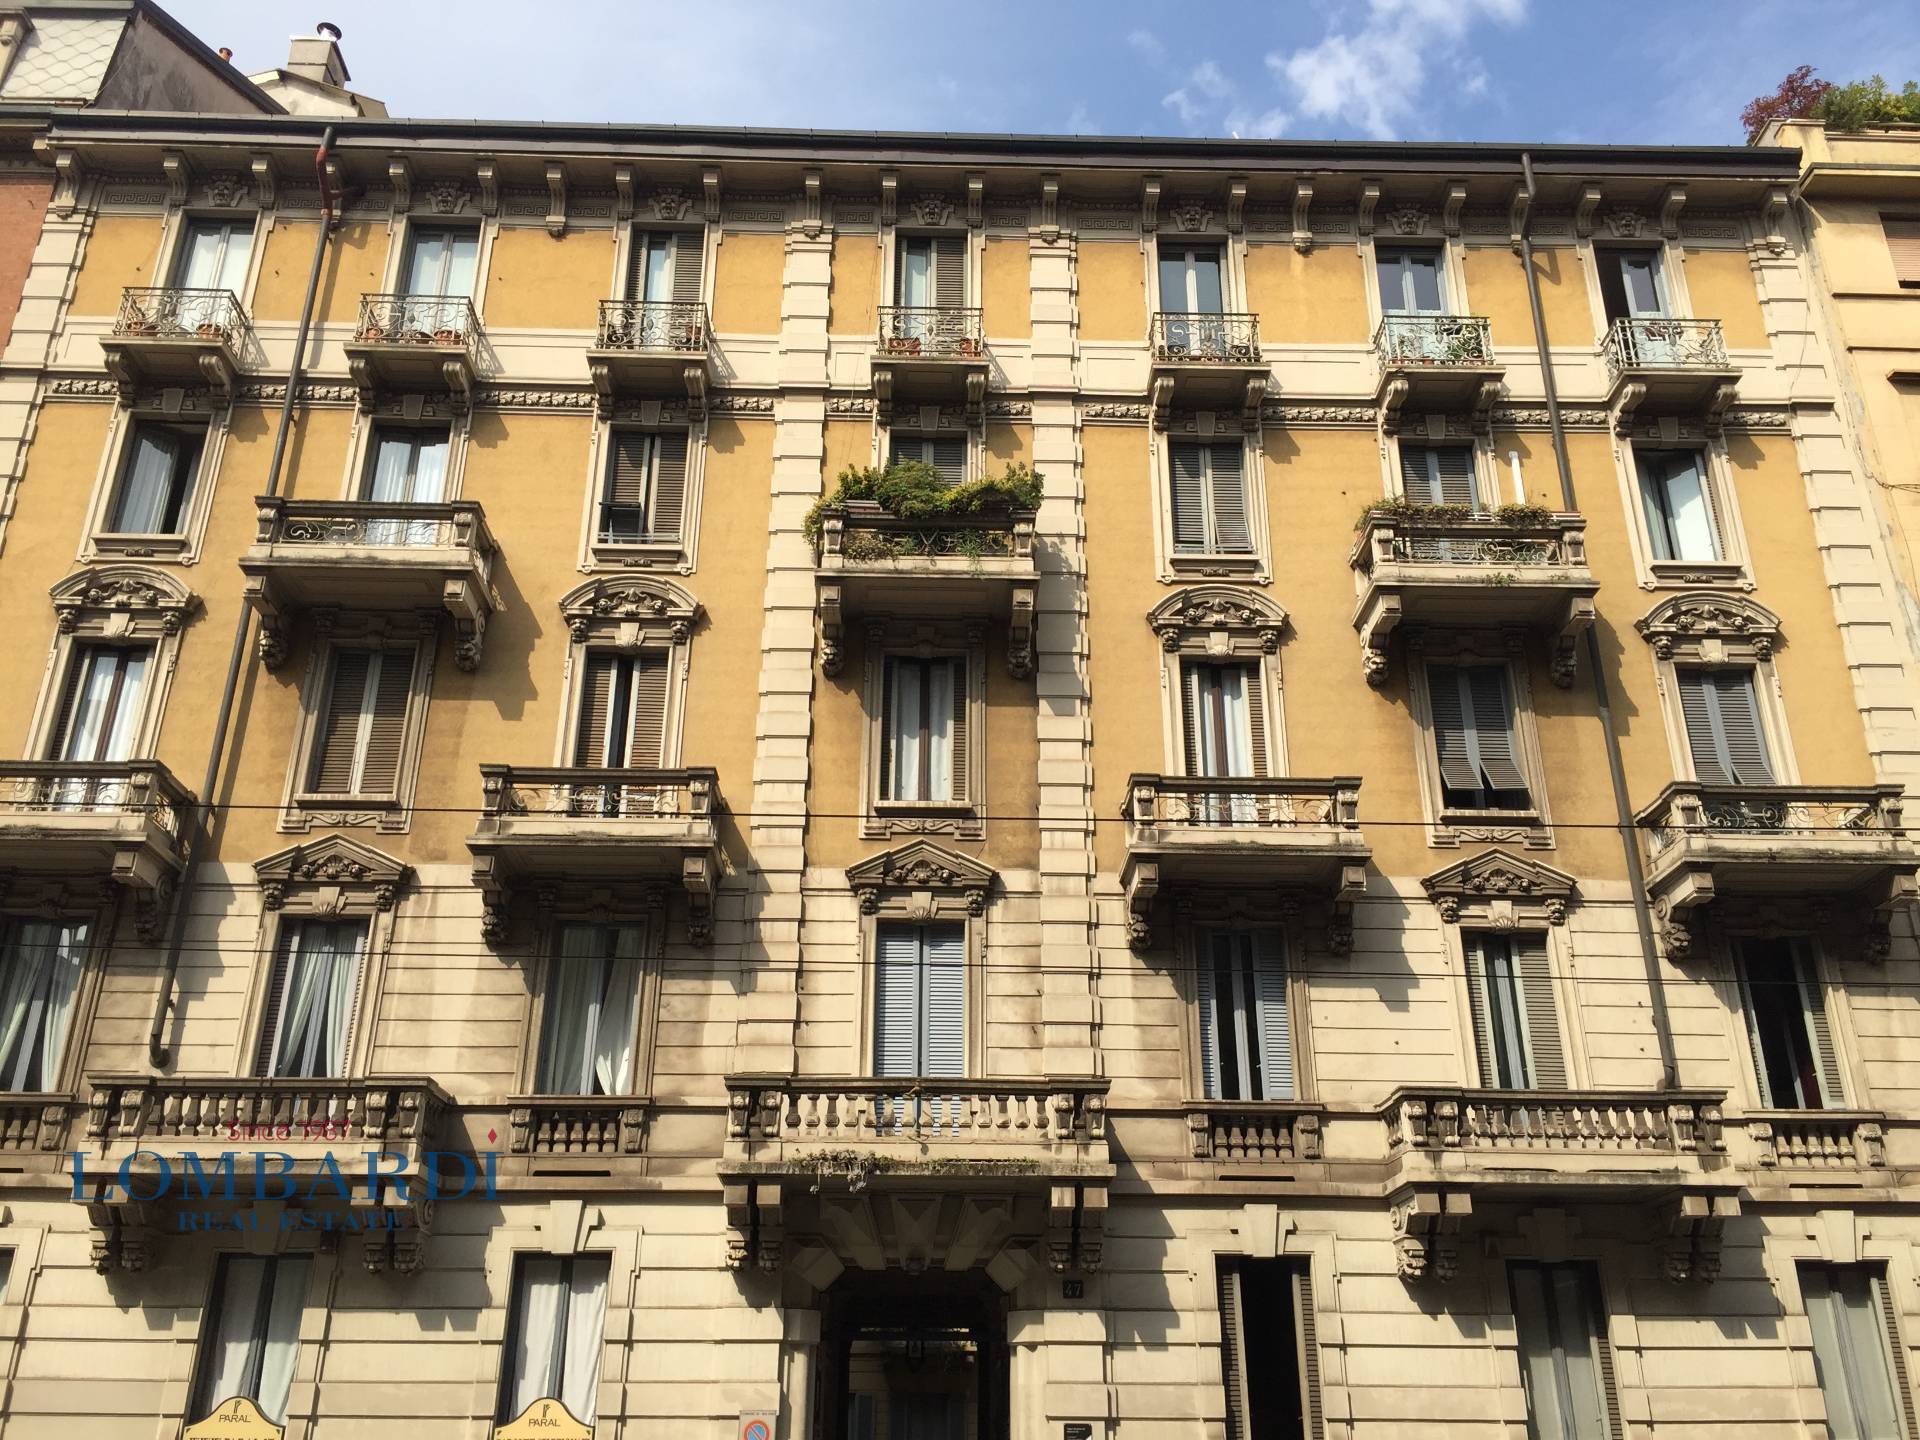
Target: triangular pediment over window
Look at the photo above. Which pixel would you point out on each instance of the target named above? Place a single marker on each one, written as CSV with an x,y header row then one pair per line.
x,y
332,874
944,878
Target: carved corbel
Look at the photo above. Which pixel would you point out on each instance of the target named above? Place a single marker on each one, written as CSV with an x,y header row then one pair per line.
x,y
1369,202
1143,887
769,1227
1566,640
1671,203
1392,399
976,399
1150,204
1426,1227
1161,396
173,165
1060,1215
695,379
889,198
1691,1226
810,201
1518,209
151,910
400,177
1251,402
123,1235
832,630
710,193
1583,208
1713,415
1236,204
696,877
1631,395
737,1200
1480,416
976,201
556,199
1773,216
1302,215
1020,627
486,184
1049,208
1450,210
265,187
459,385
67,175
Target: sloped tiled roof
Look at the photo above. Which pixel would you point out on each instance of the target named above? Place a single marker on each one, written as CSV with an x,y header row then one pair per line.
x,y
64,58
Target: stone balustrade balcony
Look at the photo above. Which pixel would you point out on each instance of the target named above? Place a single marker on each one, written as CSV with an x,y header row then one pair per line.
x,y
123,821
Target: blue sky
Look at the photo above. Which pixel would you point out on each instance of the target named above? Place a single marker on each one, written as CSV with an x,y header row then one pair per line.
x,y
1541,70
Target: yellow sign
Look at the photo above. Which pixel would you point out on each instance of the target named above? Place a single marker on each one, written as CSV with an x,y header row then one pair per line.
x,y
544,1420
235,1419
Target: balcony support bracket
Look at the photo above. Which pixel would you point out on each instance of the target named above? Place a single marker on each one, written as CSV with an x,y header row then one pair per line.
x,y
833,629
1020,631
1691,1225
1566,640
1427,1221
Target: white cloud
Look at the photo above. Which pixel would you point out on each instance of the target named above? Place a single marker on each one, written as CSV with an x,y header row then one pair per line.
x,y
1147,44
1267,125
1374,77
1207,88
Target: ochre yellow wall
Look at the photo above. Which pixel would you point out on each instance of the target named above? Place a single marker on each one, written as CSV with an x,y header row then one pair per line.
x,y
746,283
316,466
536,281
1006,288
1497,289
846,442
1319,298
1008,444
1113,290
1720,285
853,287
355,265
122,250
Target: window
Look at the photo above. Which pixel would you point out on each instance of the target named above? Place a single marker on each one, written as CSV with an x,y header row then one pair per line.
x,y
1410,280
157,477
1903,241
213,255
555,1322
1246,1040
924,750
1681,524
1209,499
1856,1351
623,711
931,270
1566,1363
664,265
441,260
40,964
1474,738
363,723
1190,279
1724,736
253,1334
586,1040
1516,1023
1631,285
311,999
1438,474
1793,1055
407,467
1269,1350
947,454
645,492
920,985
100,707
1224,719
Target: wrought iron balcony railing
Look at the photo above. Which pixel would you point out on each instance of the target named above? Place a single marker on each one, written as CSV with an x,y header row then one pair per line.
x,y
1863,817
174,313
1200,338
1471,542
1252,803
1404,341
931,332
679,326
144,788
1610,1121
1262,1130
1660,343
1034,1114
630,794
444,320
374,524
858,533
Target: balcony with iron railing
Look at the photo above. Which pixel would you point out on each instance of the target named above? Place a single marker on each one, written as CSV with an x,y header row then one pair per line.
x,y
1272,833
1658,365
1443,565
1435,363
172,335
415,342
543,826
1203,360
1848,843
930,354
652,349
370,555
124,820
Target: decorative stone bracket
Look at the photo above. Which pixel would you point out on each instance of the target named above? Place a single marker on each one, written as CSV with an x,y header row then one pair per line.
x,y
1426,1232
1691,1225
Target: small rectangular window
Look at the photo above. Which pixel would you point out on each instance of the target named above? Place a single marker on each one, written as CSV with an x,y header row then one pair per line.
x,y
1724,734
251,1336
40,963
1857,1353
1438,474
556,1321
362,727
1209,499
947,454
313,993
931,271
100,704
1903,241
644,495
923,730
1410,279
1631,286
920,989
213,255
157,477
587,1035
406,466
1223,715
1681,524
623,711
1246,1037
664,265
441,260
1476,738
1516,1019
1566,1361
1787,1027
1269,1350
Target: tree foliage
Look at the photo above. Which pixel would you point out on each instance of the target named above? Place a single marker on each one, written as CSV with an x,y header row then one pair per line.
x,y
1856,106
1794,100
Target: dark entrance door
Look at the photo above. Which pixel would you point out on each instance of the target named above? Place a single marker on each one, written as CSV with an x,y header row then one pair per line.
x,y
912,1357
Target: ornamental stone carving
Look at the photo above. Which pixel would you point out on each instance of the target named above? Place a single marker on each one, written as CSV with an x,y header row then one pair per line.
x,y
629,610
1711,628
1499,891
670,202
921,880
333,875
1193,617
931,210
125,600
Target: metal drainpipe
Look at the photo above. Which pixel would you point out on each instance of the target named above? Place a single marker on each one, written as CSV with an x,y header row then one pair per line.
x,y
1616,769
198,833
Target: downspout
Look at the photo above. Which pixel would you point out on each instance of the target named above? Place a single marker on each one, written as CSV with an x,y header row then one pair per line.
x,y
200,831
1616,768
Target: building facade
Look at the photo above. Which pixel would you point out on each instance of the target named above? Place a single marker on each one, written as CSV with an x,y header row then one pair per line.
x,y
1380,898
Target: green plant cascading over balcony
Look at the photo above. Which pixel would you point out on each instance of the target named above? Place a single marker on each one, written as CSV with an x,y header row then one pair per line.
x,y
914,490
1518,517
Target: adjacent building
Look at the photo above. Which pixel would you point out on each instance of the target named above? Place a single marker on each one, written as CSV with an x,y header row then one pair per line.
x,y
1377,896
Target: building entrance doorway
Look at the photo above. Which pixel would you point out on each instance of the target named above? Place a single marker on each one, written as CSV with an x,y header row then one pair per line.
x,y
913,1357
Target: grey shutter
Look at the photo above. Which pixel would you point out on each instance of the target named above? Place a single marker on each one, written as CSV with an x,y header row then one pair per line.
x,y
1545,1053
1480,1012
1256,699
636,265
1890,1319
1190,714
1230,532
896,1007
669,487
957,762
1189,497
688,251
1767,1097
1418,479
944,957
1813,1004
949,271
1204,1001
1493,727
1306,1329
1739,710
276,992
950,459
1233,1349
596,696
627,470
1455,464
338,736
1276,1029
1903,241
889,673
647,731
1450,728
387,729
1697,707
363,932
1609,1381
1437,474
77,664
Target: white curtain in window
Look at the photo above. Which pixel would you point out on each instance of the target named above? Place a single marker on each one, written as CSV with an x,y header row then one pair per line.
x,y
407,470
590,1011
940,731
101,722
256,1333
561,1308
215,257
903,737
39,975
144,494
281,1343
316,1009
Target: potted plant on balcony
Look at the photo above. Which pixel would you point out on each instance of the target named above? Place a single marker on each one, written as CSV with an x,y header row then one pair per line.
x,y
914,490
446,335
902,345
208,330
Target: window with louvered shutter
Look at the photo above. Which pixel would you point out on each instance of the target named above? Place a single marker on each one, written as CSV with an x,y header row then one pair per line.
x,y
1228,492
100,703
1438,474
276,997
1903,242
623,506
688,255
1566,1361
1223,715
920,1022
947,454
1209,499
336,743
669,487
1682,521
647,729
1475,738
924,724
1246,1046
1724,735
362,731
651,266
1269,1349
1187,464
596,699
1860,1361
949,272
1794,1058
386,730
623,711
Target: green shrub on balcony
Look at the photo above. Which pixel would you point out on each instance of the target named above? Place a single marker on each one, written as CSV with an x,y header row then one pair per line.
x,y
1517,517
914,490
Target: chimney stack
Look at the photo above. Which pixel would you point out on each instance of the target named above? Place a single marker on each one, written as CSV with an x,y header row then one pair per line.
x,y
317,56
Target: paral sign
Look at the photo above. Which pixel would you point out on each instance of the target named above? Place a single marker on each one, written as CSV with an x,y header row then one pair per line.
x,y
544,1420
235,1419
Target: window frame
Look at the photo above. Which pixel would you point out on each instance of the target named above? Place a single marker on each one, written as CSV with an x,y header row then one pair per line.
x,y
626,615
1734,569
1443,432
319,1266
406,235
1913,220
1605,1359
626,236
173,239
1717,631
414,410
512,1320
273,1017
1233,918
1888,1310
1599,240
1816,974
649,916
962,817
49,901
114,604
1204,428
1449,825
680,556
972,245
169,408
1219,624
